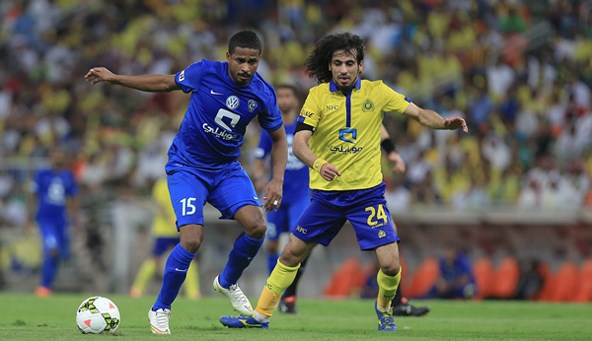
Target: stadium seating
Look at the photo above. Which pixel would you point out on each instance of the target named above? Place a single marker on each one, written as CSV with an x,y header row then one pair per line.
x,y
343,281
506,278
484,275
583,292
564,283
424,277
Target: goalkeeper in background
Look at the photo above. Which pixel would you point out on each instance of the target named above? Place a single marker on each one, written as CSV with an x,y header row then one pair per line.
x,y
165,239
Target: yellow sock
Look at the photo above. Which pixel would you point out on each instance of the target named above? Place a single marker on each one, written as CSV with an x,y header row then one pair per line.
x,y
146,272
281,277
191,285
387,287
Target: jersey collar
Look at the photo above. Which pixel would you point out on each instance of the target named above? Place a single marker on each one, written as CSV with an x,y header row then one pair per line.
x,y
333,86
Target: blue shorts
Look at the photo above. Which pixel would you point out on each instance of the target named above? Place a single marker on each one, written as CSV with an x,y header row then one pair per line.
x,y
162,244
54,235
285,218
227,189
365,209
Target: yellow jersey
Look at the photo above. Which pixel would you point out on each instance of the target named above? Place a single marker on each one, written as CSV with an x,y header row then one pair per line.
x,y
347,131
164,219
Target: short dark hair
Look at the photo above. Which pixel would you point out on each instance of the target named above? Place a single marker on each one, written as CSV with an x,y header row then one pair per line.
x,y
245,39
295,90
318,61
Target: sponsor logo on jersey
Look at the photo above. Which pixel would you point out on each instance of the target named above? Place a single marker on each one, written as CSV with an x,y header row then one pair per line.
x,y
219,132
232,102
348,135
344,150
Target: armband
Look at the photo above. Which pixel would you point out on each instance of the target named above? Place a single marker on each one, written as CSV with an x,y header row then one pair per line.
x,y
387,145
318,164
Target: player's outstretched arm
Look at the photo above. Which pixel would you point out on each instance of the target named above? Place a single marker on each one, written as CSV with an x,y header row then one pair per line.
x,y
431,119
279,158
149,83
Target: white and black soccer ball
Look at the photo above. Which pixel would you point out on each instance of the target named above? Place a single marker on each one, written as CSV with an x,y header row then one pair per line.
x,y
97,315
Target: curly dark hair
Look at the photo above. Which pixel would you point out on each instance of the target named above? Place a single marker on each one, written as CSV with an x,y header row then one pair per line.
x,y
317,63
246,39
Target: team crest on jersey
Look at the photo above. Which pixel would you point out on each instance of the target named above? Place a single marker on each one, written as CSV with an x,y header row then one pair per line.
x,y
252,105
368,106
232,102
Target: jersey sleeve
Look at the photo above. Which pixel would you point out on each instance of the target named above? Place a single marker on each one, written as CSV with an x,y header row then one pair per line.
x,y
264,147
395,102
188,79
311,111
270,118
72,187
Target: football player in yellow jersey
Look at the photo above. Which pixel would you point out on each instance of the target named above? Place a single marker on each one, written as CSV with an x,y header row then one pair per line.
x,y
165,238
338,137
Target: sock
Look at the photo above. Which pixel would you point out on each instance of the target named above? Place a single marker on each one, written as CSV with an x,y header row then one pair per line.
x,y
291,290
387,286
272,259
175,272
244,250
49,270
191,285
146,272
281,277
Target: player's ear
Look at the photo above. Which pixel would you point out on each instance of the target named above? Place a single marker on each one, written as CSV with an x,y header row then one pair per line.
x,y
361,67
227,56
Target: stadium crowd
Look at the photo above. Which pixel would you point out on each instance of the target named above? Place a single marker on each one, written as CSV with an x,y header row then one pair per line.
x,y
519,71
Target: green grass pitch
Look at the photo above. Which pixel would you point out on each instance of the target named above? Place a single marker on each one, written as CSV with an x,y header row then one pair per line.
x,y
26,317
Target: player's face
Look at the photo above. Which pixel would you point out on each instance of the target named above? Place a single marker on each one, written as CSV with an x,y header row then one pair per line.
x,y
242,64
286,100
345,69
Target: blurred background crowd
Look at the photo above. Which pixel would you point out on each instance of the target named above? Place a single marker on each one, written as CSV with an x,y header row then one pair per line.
x,y
519,71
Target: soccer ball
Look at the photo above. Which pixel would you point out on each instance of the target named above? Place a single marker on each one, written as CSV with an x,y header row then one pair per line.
x,y
96,315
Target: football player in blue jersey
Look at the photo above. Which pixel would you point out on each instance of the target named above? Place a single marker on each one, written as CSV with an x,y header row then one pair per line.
x,y
54,201
203,165
338,138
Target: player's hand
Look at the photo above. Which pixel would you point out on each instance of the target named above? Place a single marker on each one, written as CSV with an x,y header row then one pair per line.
x,y
99,74
456,123
396,159
329,172
273,195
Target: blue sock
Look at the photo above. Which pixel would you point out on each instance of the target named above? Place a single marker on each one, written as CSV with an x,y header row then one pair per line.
x,y
175,272
272,259
49,270
244,250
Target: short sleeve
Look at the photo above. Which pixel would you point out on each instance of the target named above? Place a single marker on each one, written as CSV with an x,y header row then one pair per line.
x,y
188,79
395,102
311,111
270,118
72,188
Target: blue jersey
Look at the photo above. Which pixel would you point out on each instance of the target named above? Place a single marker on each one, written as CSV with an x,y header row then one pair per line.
x,y
296,175
52,188
219,111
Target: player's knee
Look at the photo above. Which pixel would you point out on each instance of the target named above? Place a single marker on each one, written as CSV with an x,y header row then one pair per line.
x,y
256,229
191,244
391,269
